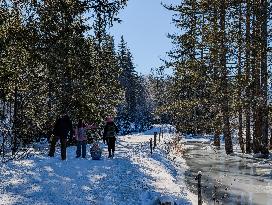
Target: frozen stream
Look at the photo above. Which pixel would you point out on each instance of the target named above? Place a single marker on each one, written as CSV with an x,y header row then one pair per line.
x,y
229,180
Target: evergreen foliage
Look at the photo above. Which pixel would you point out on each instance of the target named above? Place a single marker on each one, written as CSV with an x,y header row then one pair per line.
x,y
49,63
220,63
134,114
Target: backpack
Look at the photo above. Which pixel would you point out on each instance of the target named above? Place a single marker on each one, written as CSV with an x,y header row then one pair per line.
x,y
111,131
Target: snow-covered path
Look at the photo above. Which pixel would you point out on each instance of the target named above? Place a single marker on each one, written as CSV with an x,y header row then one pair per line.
x,y
132,177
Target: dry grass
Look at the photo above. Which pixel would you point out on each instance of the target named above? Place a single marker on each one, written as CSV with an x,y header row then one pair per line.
x,y
177,146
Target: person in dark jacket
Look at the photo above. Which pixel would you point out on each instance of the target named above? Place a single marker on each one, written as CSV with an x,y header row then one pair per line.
x,y
109,135
62,130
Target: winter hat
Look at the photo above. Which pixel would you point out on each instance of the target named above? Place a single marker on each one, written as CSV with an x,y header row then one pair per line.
x,y
109,119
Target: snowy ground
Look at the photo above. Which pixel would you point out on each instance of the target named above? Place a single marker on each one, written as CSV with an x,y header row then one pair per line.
x,y
132,177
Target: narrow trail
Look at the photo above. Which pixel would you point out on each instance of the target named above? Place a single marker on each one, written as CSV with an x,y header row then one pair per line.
x,y
132,177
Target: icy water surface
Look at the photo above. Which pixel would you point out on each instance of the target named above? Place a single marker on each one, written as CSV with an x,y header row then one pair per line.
x,y
229,180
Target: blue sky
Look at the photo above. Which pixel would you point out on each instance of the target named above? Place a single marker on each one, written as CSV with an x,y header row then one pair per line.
x,y
145,25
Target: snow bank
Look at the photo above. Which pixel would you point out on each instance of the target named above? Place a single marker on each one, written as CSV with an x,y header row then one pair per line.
x,y
166,128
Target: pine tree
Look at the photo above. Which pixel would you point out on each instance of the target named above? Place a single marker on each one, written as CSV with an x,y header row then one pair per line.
x,y
49,63
128,82
234,80
134,112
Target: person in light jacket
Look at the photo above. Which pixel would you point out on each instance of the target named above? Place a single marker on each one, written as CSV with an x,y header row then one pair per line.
x,y
81,138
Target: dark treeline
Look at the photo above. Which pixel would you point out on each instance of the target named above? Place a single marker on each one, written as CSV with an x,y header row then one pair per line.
x,y
221,60
56,55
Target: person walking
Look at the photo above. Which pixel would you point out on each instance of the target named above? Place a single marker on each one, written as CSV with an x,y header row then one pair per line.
x,y
109,135
81,138
62,130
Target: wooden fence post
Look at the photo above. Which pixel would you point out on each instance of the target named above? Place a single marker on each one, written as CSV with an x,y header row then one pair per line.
x,y
150,141
3,146
199,188
215,194
155,139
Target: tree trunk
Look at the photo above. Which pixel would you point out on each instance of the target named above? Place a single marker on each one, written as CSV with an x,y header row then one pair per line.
x,y
270,142
4,107
214,60
225,100
15,121
240,111
217,138
247,79
10,111
257,116
264,76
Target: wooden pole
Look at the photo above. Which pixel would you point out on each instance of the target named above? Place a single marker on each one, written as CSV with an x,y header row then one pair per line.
x,y
199,188
3,146
155,139
150,141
